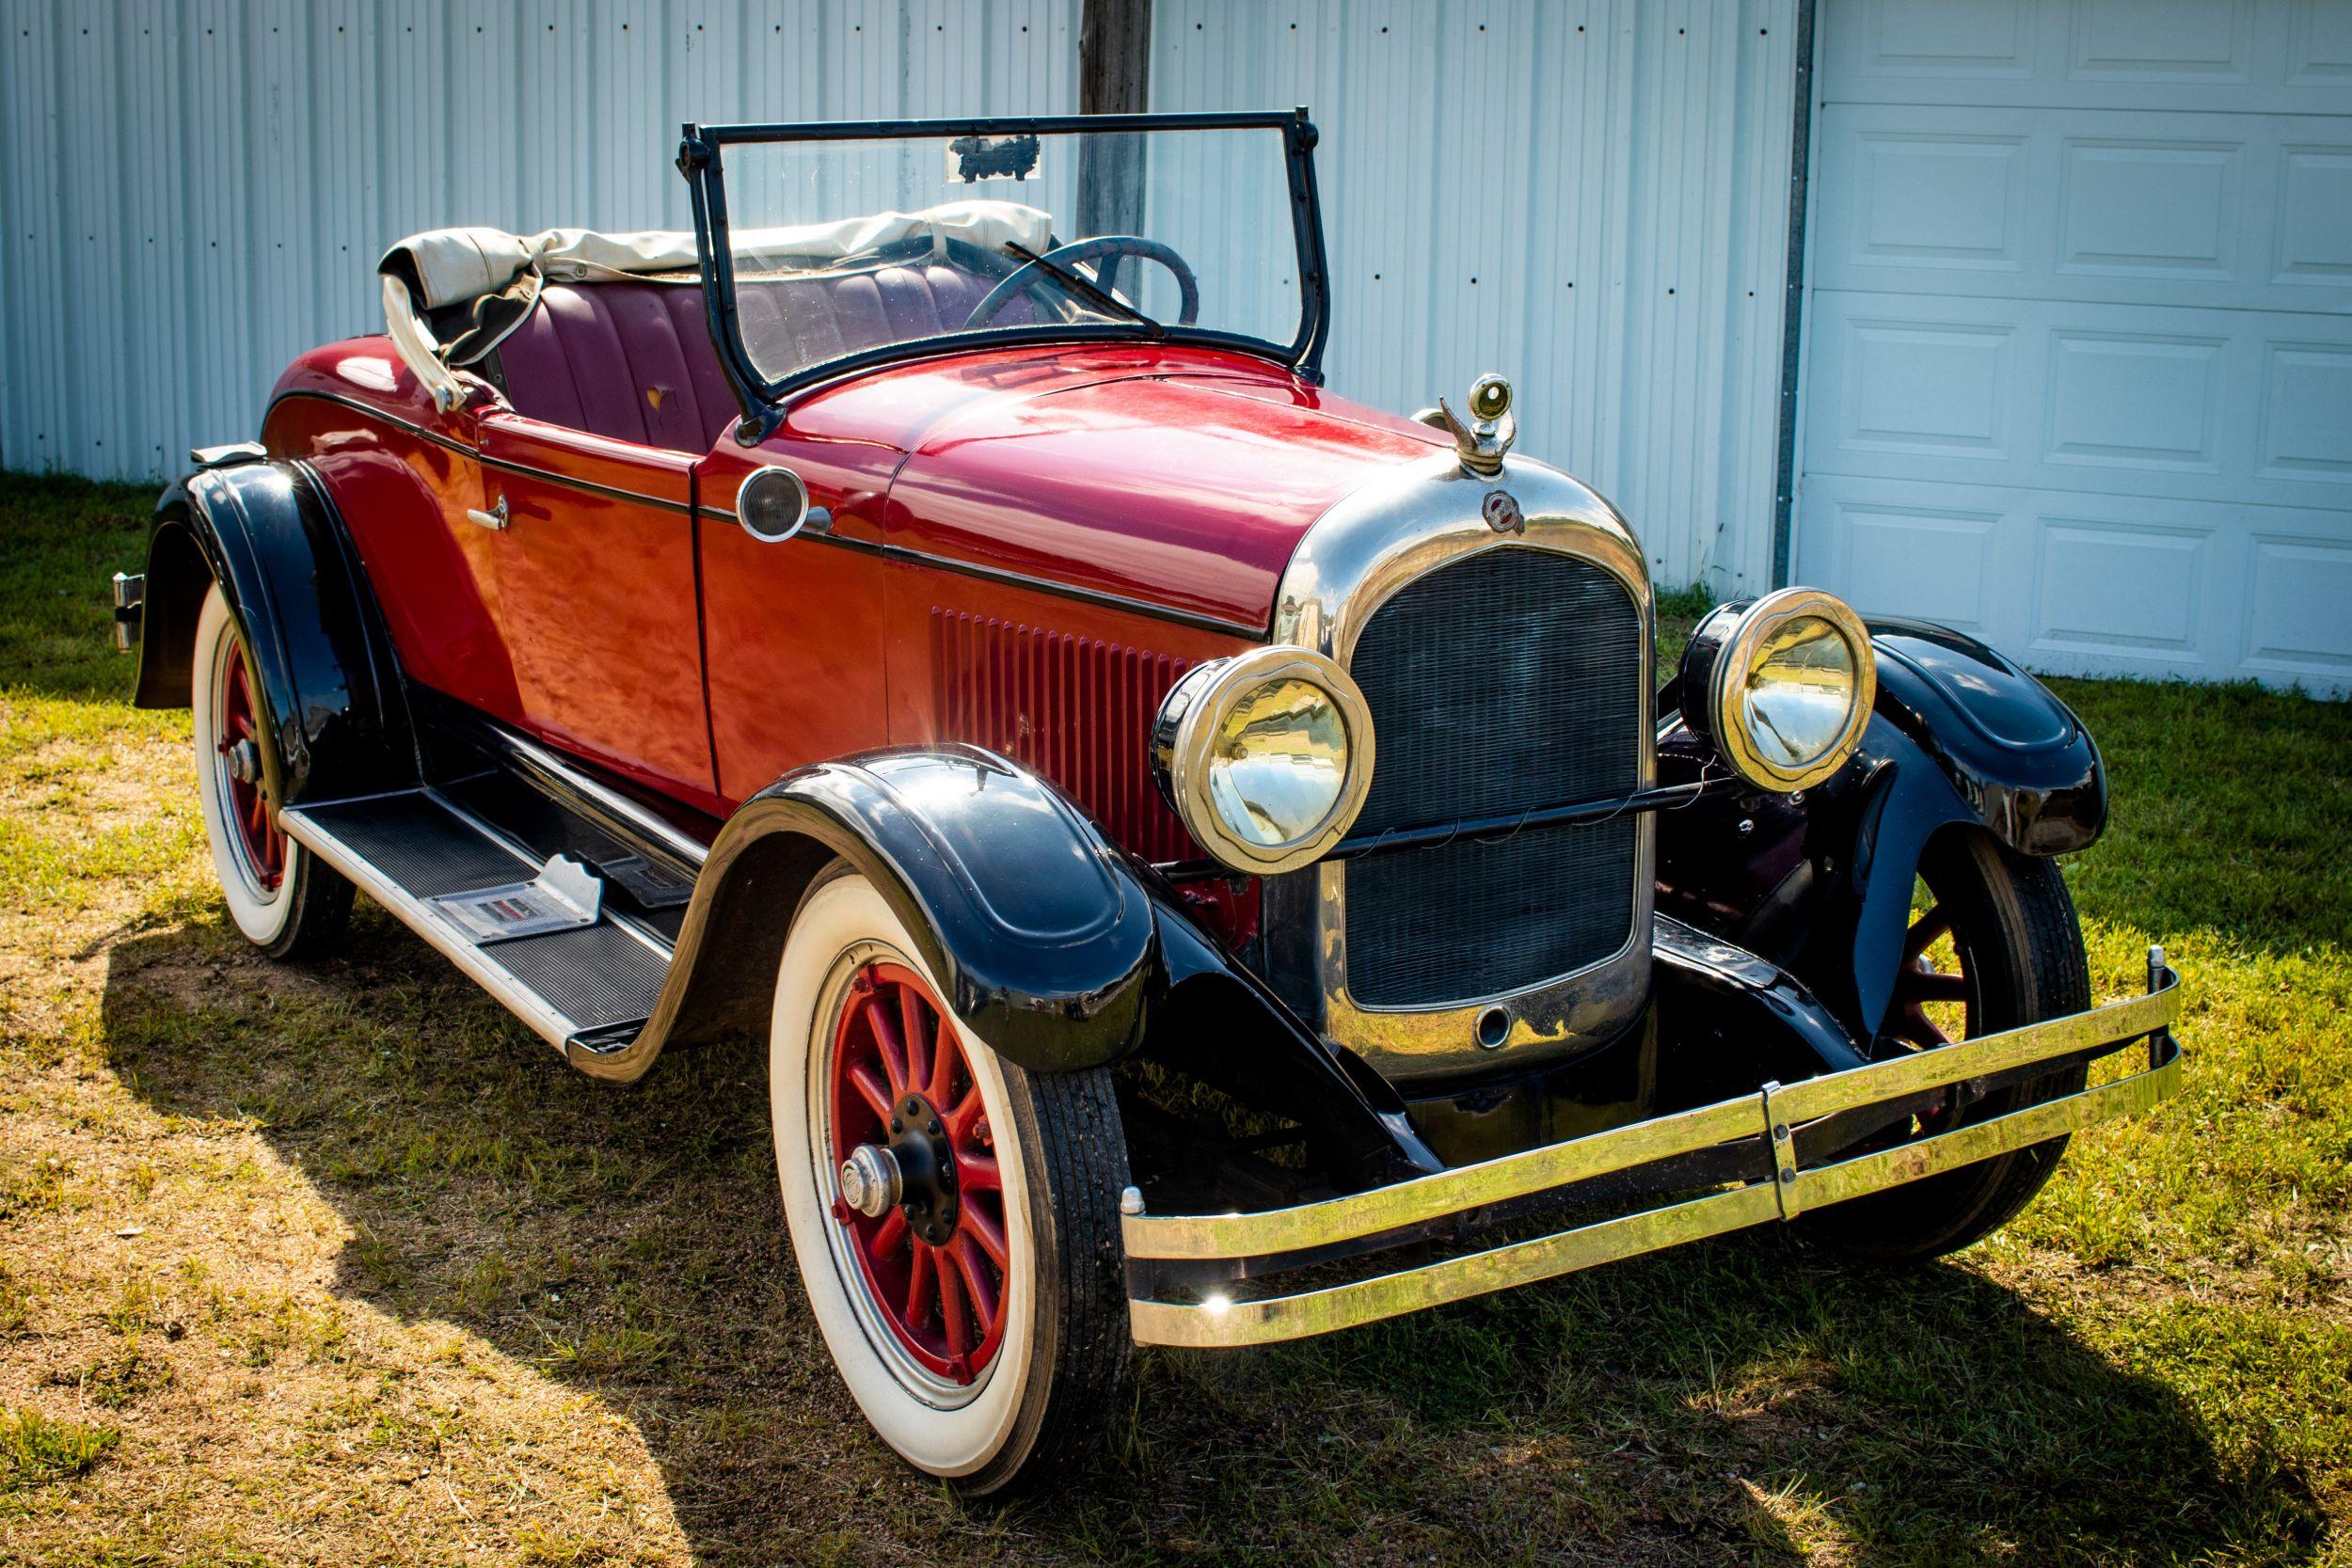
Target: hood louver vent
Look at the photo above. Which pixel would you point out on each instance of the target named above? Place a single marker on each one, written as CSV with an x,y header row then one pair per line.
x,y
1075,710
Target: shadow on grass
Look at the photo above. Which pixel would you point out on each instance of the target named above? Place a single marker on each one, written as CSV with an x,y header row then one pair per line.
x,y
1748,1398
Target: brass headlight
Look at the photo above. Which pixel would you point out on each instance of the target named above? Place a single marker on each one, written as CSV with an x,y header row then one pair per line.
x,y
1783,686
1265,757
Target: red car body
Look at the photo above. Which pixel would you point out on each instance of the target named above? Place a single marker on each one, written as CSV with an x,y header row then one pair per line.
x,y
625,618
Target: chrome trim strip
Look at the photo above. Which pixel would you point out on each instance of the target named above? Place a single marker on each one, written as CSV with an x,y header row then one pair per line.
x,y
1417,518
1769,1113
1250,630
1657,798
506,466
1071,590
660,503
529,754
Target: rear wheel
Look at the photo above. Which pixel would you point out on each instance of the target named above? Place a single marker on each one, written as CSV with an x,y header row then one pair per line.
x,y
956,1219
1993,944
280,898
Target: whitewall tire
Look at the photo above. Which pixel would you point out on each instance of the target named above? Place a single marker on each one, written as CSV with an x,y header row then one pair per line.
x,y
976,1309
277,894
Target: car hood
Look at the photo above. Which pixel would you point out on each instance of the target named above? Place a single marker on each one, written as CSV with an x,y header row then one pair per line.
x,y
1183,479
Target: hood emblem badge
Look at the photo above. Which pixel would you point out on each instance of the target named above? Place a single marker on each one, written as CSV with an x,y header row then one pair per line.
x,y
1503,512
1484,441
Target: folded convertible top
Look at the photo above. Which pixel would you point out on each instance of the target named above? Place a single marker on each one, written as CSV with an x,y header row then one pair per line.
x,y
448,266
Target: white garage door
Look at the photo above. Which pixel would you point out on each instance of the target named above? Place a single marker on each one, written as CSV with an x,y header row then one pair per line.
x,y
2079,373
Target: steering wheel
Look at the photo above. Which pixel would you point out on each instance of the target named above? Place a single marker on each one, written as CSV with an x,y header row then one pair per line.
x,y
1030,277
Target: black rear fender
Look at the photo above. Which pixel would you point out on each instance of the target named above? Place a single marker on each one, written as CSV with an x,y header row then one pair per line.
x,y
327,682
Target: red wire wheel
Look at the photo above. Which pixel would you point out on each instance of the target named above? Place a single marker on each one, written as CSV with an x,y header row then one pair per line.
x,y
935,1264
1934,999
256,828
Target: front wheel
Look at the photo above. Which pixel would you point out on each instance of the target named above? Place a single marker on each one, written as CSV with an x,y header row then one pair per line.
x,y
280,898
955,1218
1993,945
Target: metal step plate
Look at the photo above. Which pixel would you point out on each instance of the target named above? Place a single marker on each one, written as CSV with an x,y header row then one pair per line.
x,y
434,866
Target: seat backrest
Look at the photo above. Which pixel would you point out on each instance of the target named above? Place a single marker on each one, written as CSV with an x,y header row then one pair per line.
x,y
629,360
634,361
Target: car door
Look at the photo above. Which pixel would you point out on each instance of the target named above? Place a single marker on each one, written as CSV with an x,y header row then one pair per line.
x,y
793,627
596,597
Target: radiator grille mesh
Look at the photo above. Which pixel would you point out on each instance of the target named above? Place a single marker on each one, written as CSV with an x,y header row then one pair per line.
x,y
1509,681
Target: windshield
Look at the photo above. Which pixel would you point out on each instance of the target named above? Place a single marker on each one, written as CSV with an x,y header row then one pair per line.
x,y
850,248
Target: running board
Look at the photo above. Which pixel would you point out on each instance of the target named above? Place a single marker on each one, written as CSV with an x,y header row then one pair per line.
x,y
589,986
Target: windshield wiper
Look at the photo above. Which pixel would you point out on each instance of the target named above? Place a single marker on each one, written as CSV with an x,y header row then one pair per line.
x,y
1103,299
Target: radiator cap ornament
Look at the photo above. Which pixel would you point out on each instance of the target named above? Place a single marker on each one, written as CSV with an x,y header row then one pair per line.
x,y
1487,437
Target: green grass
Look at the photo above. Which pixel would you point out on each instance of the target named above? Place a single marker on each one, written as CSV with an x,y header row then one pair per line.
x,y
359,1271
35,1450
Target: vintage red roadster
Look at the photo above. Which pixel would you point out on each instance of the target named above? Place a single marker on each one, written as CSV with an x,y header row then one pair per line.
x,y
1212,863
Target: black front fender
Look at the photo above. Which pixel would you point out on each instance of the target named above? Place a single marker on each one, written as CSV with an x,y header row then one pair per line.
x,y
1048,942
1961,738
2024,764
1037,929
328,687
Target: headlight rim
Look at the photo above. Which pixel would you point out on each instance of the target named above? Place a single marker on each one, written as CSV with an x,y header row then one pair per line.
x,y
1738,656
1184,733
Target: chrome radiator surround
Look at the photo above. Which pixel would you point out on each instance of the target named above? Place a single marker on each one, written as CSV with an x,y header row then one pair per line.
x,y
1422,516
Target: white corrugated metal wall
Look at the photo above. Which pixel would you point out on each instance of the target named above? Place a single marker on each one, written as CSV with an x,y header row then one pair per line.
x,y
1590,196
193,191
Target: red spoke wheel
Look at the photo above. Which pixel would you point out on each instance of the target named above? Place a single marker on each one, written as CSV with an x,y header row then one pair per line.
x,y
280,898
934,1261
955,1217
240,748
1933,1002
1992,943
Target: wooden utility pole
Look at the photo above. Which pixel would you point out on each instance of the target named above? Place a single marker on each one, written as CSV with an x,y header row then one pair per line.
x,y
1114,78
1115,57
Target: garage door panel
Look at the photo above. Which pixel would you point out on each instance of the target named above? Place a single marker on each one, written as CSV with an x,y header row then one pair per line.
x,y
2319,43
2314,225
1898,554
2234,210
2297,624
2136,399
2205,55
2080,584
2121,587
2150,206
2305,414
1909,389
2079,337
2052,394
2166,41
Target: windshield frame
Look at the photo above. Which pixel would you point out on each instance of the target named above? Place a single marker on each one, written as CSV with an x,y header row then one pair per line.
x,y
700,160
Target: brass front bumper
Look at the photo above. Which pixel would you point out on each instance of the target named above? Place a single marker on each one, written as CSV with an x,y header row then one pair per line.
x,y
1778,1115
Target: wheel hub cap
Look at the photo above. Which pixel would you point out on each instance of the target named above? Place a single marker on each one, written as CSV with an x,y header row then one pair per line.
x,y
871,1182
245,762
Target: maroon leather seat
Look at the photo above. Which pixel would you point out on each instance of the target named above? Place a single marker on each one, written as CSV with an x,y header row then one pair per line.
x,y
634,361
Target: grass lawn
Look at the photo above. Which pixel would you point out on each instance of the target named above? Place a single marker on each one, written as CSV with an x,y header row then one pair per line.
x,y
338,1264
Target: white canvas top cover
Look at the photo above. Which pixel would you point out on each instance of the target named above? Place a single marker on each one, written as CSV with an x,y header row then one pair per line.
x,y
443,267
